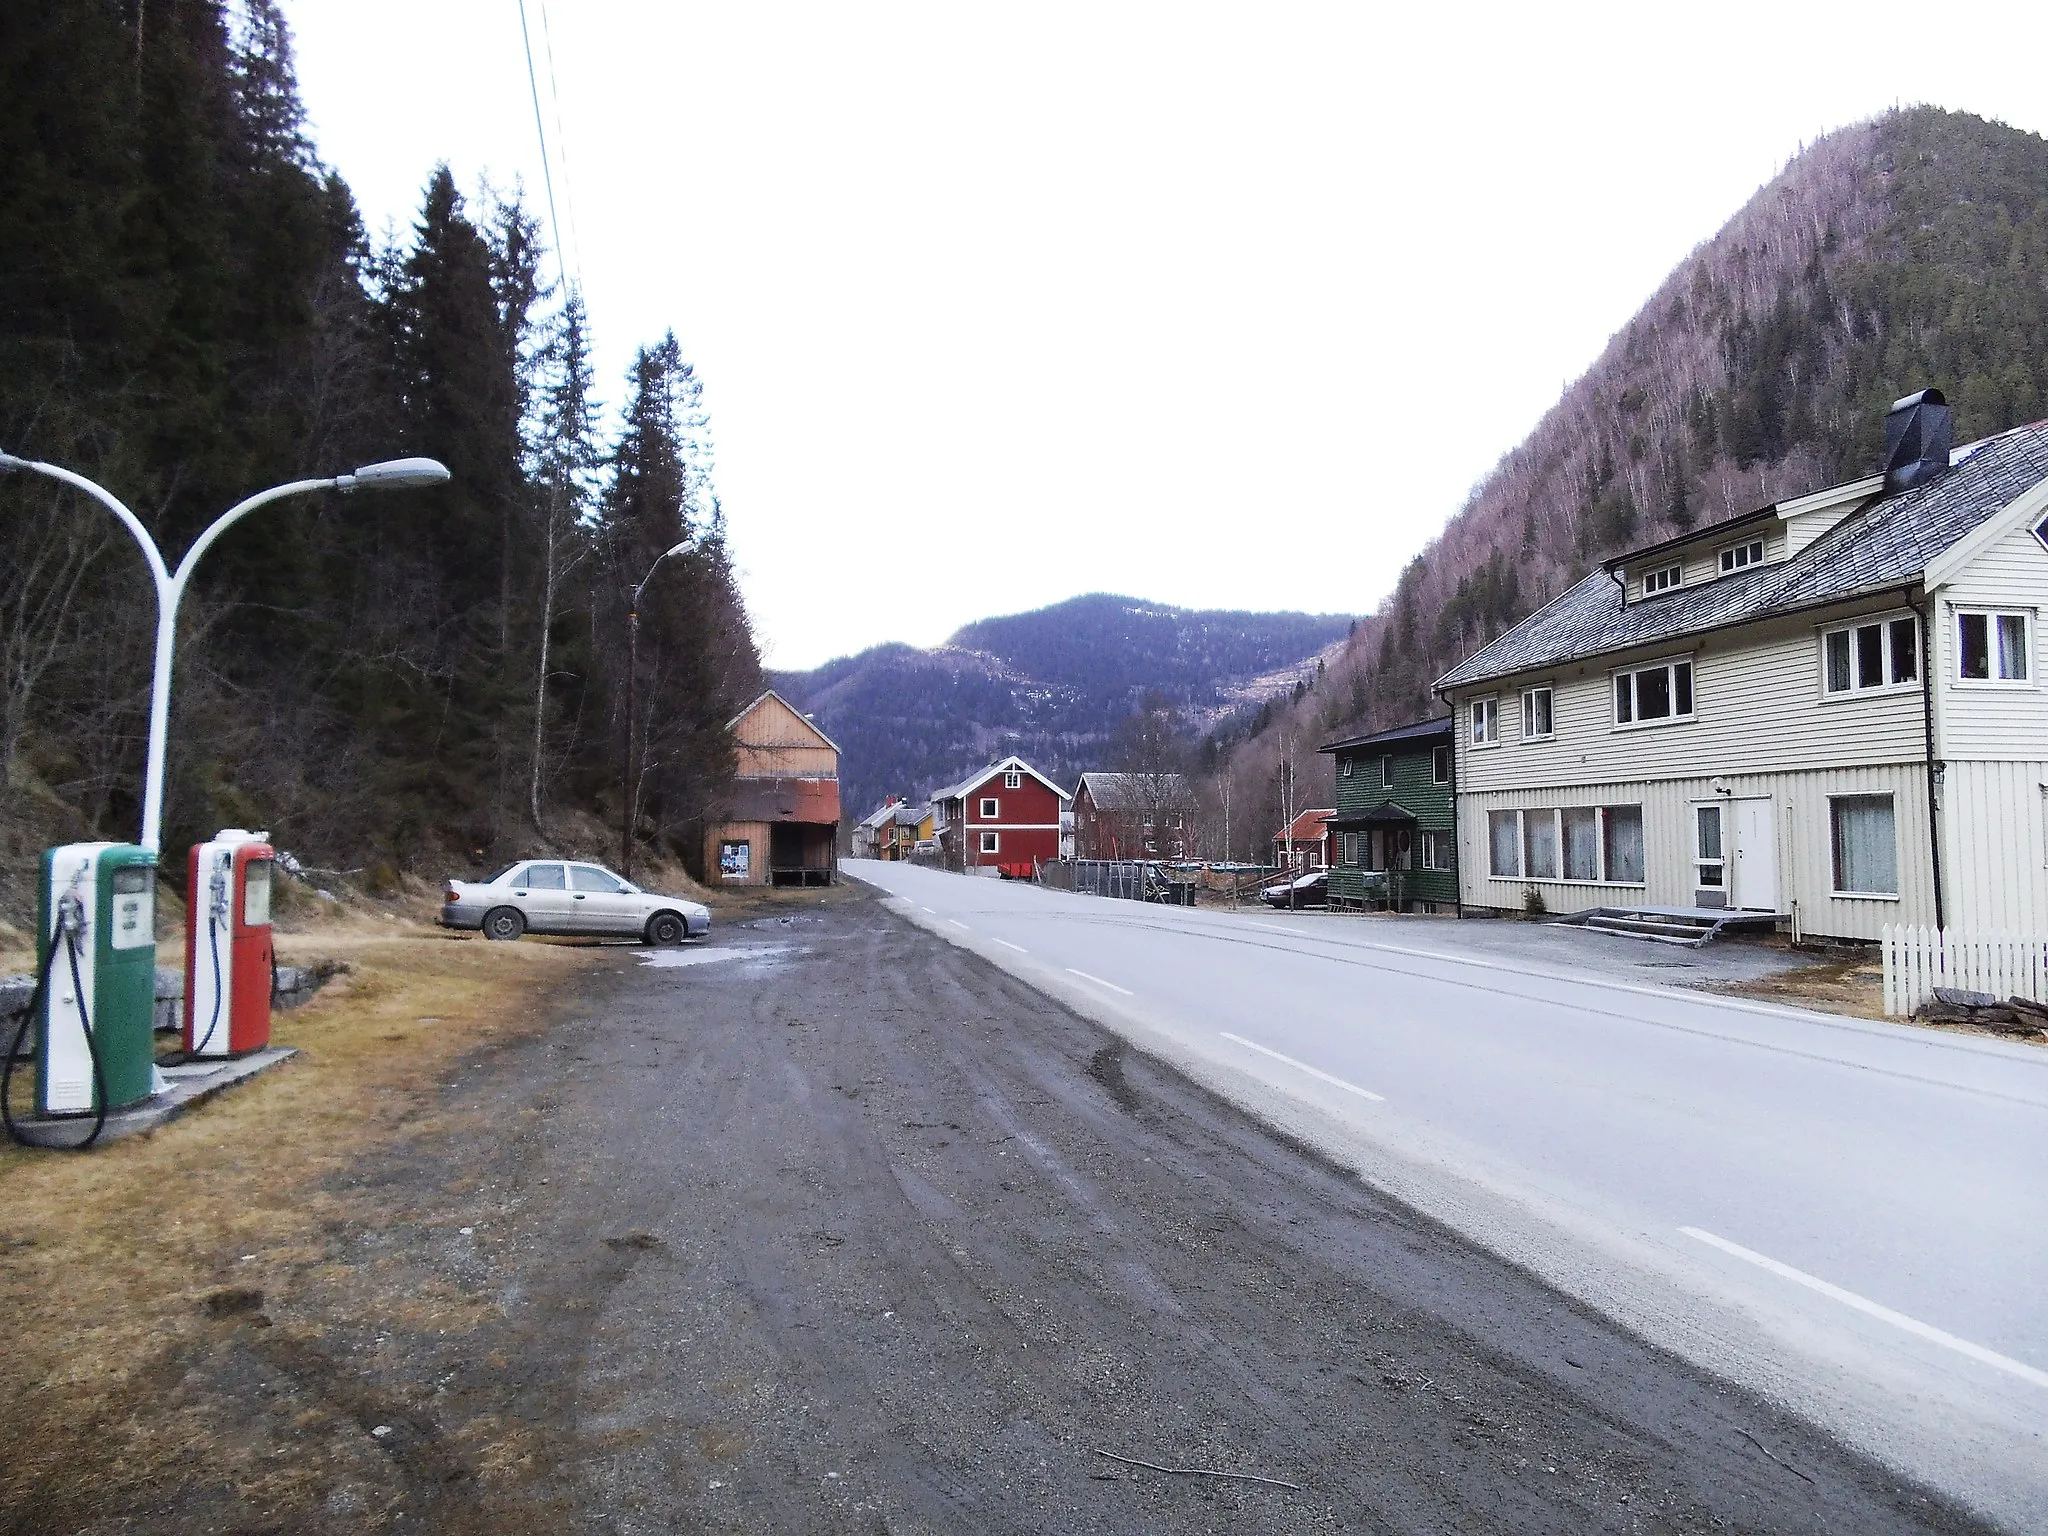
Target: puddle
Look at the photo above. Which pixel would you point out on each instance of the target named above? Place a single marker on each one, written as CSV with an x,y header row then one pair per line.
x,y
672,959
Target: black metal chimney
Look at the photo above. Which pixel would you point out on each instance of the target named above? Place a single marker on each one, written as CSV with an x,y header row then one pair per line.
x,y
1917,438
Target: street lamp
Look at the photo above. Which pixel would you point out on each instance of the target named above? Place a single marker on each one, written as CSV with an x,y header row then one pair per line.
x,y
632,704
391,475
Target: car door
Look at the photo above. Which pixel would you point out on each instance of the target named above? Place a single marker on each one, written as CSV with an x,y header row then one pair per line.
x,y
542,893
599,902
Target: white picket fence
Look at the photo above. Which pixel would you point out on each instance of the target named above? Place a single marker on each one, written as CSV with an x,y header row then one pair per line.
x,y
1917,960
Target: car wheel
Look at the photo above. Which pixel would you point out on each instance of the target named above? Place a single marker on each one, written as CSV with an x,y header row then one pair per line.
x,y
503,923
667,928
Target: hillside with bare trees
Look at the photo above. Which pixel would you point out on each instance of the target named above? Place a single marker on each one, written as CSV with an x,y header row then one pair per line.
x,y
1899,253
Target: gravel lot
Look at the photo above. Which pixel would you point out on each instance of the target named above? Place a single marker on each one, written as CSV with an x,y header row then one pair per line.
x,y
835,1228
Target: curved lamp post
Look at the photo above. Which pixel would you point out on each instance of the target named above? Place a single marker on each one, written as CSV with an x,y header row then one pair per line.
x,y
632,698
391,475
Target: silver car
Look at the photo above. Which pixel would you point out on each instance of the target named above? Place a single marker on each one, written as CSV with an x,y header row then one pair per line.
x,y
556,896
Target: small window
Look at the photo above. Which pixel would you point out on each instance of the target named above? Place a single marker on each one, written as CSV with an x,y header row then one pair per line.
x,y
1485,722
1651,695
1738,557
1867,656
988,810
991,842
542,877
1991,647
1504,843
1866,847
1343,767
1536,717
1386,773
1013,780
1662,579
1710,865
1440,766
1436,850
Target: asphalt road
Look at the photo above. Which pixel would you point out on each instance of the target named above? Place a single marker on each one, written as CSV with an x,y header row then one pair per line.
x,y
1848,1217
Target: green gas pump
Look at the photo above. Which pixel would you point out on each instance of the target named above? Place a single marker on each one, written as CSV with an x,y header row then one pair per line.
x,y
96,961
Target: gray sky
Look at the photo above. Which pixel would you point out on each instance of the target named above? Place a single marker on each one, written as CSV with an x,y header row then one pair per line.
x,y
1225,307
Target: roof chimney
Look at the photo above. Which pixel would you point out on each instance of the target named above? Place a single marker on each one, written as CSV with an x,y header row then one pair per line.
x,y
1917,437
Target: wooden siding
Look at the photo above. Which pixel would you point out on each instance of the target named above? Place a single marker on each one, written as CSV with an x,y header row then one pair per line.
x,y
1804,844
1994,845
771,740
1991,722
1757,708
1413,789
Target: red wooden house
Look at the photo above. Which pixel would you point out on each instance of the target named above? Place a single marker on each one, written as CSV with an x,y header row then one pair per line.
x,y
1003,820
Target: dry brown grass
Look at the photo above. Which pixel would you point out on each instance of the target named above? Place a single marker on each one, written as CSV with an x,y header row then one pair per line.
x,y
108,1260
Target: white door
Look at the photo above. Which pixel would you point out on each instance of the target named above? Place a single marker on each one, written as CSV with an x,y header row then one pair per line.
x,y
1756,854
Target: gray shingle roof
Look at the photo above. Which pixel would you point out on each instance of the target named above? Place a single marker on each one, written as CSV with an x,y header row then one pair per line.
x,y
1888,543
1135,791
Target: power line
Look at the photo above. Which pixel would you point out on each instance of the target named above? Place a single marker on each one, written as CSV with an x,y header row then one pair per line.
x,y
547,175
547,41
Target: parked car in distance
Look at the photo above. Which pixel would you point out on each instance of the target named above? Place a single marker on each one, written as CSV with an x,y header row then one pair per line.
x,y
560,896
1310,890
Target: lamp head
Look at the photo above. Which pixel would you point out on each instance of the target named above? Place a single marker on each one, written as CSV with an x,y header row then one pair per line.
x,y
394,475
9,463
679,549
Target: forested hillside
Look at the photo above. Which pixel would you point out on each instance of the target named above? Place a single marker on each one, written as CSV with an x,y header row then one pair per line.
x,y
1055,684
1900,253
190,311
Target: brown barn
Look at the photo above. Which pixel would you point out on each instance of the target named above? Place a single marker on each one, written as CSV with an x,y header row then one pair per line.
x,y
780,822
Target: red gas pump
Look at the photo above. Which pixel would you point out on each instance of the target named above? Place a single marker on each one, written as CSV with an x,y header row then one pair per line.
x,y
228,965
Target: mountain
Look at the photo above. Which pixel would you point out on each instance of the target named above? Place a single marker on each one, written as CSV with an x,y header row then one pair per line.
x,y
1052,684
1908,251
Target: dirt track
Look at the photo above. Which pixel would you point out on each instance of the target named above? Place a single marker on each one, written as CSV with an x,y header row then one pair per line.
x,y
861,1235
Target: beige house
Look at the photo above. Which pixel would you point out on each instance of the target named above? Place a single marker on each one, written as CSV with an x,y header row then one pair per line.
x,y
779,824
1830,709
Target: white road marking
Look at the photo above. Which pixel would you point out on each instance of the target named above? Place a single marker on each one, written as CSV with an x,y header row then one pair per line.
x,y
928,909
1874,1309
1127,992
958,924
1017,947
1302,1066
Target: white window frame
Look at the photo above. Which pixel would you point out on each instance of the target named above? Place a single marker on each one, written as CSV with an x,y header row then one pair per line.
x,y
1437,846
1343,767
1440,755
1835,853
1488,708
991,842
1740,557
991,808
1700,860
1991,616
1669,666
1556,813
1549,708
1883,623
1663,579
1013,779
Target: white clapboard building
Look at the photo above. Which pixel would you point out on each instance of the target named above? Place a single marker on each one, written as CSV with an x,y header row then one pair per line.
x,y
1831,708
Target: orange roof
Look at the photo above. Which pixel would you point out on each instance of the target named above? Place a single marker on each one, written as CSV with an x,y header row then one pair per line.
x,y
1307,828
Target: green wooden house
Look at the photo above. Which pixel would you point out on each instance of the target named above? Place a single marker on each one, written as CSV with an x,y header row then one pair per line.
x,y
1394,837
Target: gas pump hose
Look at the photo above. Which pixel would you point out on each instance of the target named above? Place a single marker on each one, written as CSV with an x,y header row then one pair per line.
x,y
99,1076
213,948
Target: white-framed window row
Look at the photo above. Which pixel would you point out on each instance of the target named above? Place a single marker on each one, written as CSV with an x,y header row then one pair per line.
x,y
1663,579
1539,718
1994,647
1878,655
1740,557
1658,694
990,808
1863,835
991,842
1012,779
1485,717
1571,844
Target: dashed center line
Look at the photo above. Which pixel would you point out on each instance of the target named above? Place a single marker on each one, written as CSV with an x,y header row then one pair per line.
x,y
1017,947
1302,1066
958,924
929,911
1127,992
1863,1304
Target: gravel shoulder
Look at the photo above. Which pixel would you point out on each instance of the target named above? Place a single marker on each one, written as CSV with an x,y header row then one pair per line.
x,y
837,1228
